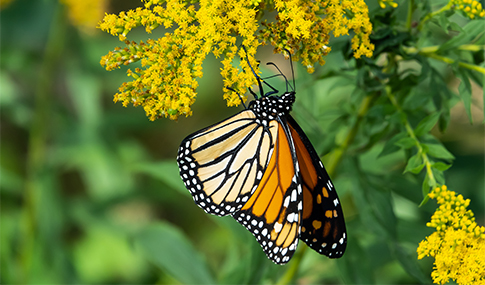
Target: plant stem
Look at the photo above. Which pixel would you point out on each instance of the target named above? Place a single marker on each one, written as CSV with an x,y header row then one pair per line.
x,y
411,134
432,14
434,49
431,53
460,64
336,156
331,166
294,266
409,17
38,137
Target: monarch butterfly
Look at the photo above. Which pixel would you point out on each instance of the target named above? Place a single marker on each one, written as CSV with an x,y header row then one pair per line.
x,y
260,167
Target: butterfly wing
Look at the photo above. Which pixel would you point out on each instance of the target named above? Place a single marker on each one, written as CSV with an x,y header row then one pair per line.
x,y
323,225
272,213
223,164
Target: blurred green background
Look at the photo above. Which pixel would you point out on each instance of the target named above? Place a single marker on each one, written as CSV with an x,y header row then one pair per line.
x,y
90,191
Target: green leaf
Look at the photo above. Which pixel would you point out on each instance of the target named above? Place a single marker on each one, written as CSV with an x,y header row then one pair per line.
x,y
455,27
167,171
409,262
425,187
415,164
427,124
444,120
406,143
418,96
439,151
352,269
443,21
168,248
441,166
470,31
381,203
390,146
438,176
465,90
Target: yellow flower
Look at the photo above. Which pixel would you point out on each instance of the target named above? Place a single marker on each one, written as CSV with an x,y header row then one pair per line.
x,y
384,3
165,83
471,8
85,14
458,245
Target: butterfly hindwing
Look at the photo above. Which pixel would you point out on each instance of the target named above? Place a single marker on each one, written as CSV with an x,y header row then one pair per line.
x,y
272,213
222,165
323,225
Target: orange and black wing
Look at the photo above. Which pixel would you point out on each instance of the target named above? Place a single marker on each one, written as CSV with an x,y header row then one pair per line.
x,y
323,225
223,164
272,213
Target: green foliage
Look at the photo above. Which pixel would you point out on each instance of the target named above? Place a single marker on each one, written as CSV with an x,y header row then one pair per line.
x,y
168,248
90,191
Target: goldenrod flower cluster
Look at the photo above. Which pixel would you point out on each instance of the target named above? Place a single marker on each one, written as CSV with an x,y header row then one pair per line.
x,y
165,81
85,14
471,8
300,27
458,245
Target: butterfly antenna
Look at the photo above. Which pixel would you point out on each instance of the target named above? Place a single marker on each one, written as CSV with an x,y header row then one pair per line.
x,y
242,101
274,91
257,77
292,71
252,92
281,74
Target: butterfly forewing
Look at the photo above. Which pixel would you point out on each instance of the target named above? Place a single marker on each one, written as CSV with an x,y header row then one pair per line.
x,y
323,225
222,165
272,213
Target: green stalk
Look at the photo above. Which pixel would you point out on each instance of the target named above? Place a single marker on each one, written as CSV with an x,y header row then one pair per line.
x,y
409,17
38,137
431,53
330,166
336,156
460,64
434,49
432,14
290,274
411,134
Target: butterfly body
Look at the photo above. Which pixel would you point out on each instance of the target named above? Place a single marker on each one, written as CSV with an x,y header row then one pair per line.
x,y
260,167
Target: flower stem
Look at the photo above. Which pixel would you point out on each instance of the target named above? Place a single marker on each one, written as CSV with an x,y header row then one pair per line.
x,y
331,166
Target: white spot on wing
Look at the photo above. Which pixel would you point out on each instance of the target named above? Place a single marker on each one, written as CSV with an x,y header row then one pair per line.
x,y
277,227
287,202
